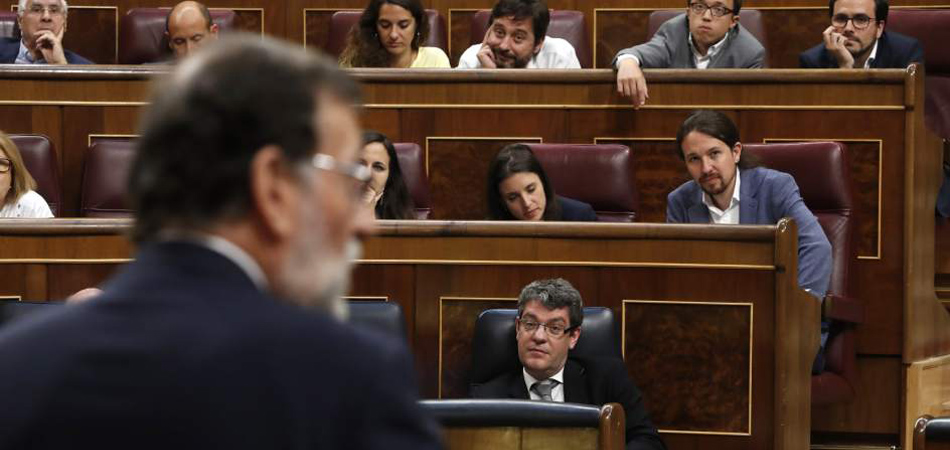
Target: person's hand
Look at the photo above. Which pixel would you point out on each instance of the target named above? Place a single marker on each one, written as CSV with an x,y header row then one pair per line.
x,y
51,46
834,43
485,56
370,196
631,82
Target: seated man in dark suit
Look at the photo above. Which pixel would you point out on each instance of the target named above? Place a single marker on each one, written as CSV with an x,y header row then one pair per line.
x,y
856,39
42,27
226,330
550,314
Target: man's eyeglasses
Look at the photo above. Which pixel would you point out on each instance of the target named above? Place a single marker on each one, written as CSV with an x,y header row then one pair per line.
x,y
5,165
859,21
358,172
555,330
53,10
699,8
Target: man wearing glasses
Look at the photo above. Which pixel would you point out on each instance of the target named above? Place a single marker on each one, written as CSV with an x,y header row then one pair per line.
x,y
856,40
42,26
550,313
707,36
226,331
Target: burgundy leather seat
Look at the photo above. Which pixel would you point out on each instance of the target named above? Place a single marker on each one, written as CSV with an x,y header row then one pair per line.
x,y
822,172
104,177
932,28
8,26
342,21
142,34
565,24
412,163
601,175
751,20
39,156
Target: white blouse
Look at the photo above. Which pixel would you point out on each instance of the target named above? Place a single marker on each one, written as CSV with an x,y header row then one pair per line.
x,y
30,206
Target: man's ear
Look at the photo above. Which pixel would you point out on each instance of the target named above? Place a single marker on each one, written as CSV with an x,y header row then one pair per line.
x,y
274,192
737,152
880,28
213,29
575,335
735,21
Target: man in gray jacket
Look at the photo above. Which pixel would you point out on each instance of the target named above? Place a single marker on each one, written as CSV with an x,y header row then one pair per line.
x,y
707,36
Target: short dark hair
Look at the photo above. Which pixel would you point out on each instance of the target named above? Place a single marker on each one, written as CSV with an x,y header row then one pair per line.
x,y
554,293
512,159
537,10
209,119
714,124
201,8
880,9
736,5
396,203
363,46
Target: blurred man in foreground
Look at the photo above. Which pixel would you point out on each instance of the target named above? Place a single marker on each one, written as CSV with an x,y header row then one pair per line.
x,y
225,331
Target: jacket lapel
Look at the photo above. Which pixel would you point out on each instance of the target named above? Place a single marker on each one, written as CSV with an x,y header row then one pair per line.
x,y
575,383
748,198
517,388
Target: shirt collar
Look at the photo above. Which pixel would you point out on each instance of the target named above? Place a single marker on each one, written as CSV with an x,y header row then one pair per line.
x,y
735,196
529,380
712,50
24,56
225,248
872,56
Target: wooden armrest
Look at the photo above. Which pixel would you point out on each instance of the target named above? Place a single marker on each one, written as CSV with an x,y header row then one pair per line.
x,y
613,427
847,309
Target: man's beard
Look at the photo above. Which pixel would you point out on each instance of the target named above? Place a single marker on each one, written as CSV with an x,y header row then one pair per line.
x,y
314,277
508,60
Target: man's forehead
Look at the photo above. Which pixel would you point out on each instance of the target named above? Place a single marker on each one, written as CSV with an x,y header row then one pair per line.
x,y
30,3
337,127
855,6
538,310
514,23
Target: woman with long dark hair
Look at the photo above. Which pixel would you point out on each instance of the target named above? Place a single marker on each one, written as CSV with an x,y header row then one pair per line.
x,y
518,189
390,33
386,190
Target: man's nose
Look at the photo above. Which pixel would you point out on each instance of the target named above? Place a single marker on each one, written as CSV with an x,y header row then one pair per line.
x,y
707,15
707,165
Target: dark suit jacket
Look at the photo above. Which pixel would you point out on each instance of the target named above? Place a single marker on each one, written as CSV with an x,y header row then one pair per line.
x,y
765,196
894,51
576,210
593,381
183,351
10,47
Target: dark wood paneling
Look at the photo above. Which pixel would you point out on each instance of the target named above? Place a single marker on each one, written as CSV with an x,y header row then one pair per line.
x,y
93,32
454,163
792,31
67,279
460,33
457,327
658,172
667,340
617,30
877,404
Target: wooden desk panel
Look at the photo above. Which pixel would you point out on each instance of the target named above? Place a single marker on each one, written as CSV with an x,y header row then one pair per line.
x,y
733,296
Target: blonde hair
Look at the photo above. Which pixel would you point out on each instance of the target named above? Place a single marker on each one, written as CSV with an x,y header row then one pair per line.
x,y
21,181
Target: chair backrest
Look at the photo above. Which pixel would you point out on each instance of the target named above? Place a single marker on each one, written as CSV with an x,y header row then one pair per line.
x,y
601,175
142,34
584,426
751,20
8,25
565,24
385,317
105,172
932,28
342,21
822,171
412,164
39,156
495,351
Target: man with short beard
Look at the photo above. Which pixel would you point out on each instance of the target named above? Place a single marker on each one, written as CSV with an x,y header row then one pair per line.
x,y
516,40
226,331
726,188
856,40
